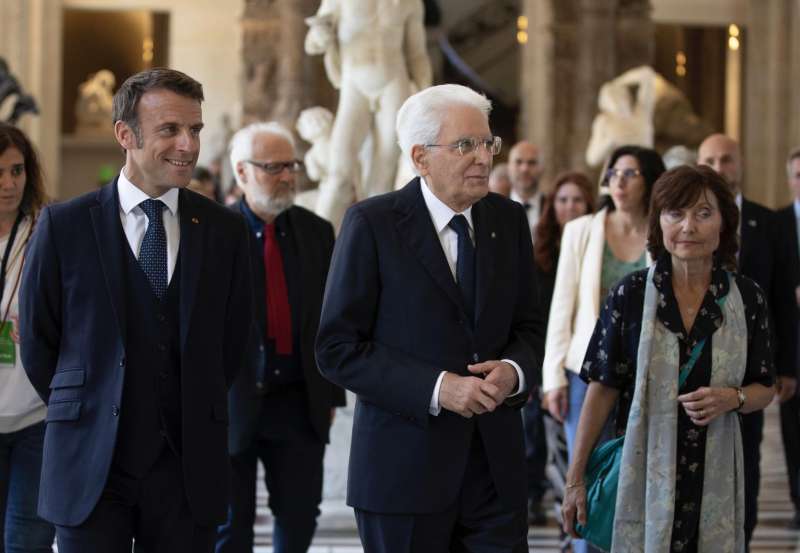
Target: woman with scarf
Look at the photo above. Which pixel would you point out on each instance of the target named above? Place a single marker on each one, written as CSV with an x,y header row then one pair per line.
x,y
680,482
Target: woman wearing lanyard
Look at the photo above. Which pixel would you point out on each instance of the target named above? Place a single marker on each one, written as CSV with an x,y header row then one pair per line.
x,y
22,412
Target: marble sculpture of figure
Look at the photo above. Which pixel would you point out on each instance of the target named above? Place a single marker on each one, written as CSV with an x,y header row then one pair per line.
x,y
95,96
314,126
375,55
626,114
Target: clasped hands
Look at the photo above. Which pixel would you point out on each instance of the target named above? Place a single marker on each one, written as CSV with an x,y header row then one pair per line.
x,y
473,395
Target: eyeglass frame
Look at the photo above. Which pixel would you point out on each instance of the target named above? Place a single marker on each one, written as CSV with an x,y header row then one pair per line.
x,y
622,173
288,165
496,144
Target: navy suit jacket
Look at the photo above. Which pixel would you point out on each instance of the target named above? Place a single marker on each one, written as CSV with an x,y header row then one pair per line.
x,y
393,318
765,257
313,240
73,345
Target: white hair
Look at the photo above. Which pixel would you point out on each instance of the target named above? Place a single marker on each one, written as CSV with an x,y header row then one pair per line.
x,y
421,116
241,145
679,155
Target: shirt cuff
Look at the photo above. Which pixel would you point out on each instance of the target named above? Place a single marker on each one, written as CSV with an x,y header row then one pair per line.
x,y
435,408
520,376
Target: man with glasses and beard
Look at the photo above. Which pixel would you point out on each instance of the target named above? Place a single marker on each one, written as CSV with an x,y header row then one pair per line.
x,y
281,408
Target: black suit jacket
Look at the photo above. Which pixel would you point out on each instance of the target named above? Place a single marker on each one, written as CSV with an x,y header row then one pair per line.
x,y
765,257
393,319
73,345
313,241
787,225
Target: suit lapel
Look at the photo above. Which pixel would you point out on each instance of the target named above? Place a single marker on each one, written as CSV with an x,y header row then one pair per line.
x,y
111,244
192,225
417,231
485,241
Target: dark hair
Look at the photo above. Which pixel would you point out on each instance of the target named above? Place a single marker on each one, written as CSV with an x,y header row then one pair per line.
x,y
126,99
33,198
679,188
650,164
201,173
547,233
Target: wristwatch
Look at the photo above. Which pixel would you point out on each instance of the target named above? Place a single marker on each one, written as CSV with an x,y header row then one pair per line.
x,y
741,397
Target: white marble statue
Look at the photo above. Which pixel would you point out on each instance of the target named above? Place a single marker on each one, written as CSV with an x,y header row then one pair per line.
x,y
375,55
627,105
314,126
94,105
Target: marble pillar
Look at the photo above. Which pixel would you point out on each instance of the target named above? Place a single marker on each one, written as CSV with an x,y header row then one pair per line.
x,y
771,110
574,47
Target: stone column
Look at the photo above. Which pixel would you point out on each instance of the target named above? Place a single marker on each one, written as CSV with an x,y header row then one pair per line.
x,y
771,110
279,78
574,47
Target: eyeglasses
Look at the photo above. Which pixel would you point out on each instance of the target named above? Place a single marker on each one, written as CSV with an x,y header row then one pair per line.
x,y
276,167
468,145
622,173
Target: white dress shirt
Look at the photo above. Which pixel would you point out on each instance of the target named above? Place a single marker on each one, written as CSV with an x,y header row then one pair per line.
x,y
134,220
534,209
441,214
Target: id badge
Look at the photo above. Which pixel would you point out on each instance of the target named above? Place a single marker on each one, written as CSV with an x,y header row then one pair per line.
x,y
8,349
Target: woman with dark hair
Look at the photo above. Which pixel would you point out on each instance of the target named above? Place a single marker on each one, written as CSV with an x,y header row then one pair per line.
x,y
596,251
685,347
571,197
22,412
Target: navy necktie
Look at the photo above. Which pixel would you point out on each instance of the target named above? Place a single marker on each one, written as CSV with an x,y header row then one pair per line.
x,y
153,251
465,265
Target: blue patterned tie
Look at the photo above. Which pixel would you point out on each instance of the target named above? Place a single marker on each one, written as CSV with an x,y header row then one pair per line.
x,y
465,265
153,251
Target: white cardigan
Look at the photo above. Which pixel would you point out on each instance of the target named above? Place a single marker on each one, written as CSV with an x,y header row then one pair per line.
x,y
576,298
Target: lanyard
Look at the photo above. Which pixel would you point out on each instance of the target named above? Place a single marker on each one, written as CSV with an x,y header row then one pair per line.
x,y
686,370
7,254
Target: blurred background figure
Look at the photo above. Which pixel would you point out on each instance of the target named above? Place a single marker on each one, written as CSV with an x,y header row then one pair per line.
x,y
596,251
499,181
571,198
22,412
203,182
525,170
679,155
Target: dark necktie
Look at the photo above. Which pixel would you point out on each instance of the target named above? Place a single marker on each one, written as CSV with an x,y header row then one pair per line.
x,y
279,315
153,251
465,265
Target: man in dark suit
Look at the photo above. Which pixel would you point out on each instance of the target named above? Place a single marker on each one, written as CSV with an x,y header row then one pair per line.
x,y
281,408
134,313
430,319
789,222
762,249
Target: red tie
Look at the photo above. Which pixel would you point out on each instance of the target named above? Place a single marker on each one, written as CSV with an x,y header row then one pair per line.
x,y
279,316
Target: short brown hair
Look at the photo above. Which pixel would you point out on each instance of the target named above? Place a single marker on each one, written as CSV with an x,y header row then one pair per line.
x,y
680,188
33,198
126,99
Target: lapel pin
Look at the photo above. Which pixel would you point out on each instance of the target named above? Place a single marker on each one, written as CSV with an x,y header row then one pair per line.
x,y
195,220
494,235
752,222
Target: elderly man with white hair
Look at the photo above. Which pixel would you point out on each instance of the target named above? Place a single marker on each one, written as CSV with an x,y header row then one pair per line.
x,y
280,407
430,319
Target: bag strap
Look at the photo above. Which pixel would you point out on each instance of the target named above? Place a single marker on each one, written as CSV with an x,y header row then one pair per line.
x,y
686,369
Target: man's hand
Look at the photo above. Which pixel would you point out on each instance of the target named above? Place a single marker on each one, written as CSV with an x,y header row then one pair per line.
x,y
499,373
557,403
787,386
467,395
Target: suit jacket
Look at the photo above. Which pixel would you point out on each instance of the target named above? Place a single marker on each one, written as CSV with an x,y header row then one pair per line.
x,y
73,345
313,240
787,225
393,318
764,257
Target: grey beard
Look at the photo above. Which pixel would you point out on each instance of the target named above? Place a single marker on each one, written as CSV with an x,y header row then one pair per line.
x,y
270,205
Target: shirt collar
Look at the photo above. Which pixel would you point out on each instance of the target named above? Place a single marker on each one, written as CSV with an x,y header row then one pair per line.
x,y
796,205
739,201
533,200
255,222
441,214
131,195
